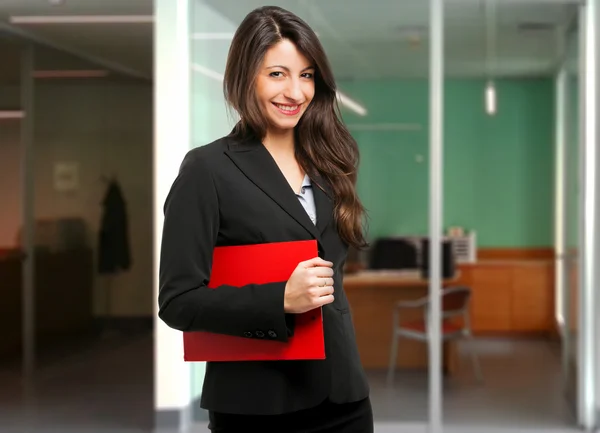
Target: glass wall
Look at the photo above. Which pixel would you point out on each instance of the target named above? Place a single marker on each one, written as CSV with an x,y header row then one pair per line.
x,y
498,165
210,36
502,60
384,101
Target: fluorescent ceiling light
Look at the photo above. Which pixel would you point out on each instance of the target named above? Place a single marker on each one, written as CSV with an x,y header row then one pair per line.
x,y
490,98
11,114
343,99
72,73
351,105
82,19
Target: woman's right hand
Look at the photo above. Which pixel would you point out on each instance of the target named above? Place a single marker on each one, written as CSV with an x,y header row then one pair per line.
x,y
310,286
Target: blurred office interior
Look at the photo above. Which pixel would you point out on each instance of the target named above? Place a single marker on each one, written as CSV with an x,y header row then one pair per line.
x,y
101,99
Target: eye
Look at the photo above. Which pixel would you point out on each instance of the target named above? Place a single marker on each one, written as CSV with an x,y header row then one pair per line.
x,y
308,75
276,74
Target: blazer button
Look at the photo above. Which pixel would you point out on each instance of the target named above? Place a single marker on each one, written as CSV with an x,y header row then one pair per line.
x,y
248,334
272,334
259,334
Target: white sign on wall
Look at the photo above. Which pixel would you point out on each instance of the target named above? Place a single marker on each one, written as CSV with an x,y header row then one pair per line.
x,y
66,176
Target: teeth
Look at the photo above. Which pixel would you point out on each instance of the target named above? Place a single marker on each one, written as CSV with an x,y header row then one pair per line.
x,y
287,107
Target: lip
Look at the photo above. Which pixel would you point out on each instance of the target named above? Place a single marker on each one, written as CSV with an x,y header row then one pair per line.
x,y
288,113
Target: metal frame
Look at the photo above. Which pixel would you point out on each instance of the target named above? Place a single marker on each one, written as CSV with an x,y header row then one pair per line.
x,y
589,237
172,376
436,121
560,177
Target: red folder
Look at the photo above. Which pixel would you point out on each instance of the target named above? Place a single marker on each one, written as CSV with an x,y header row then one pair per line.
x,y
241,265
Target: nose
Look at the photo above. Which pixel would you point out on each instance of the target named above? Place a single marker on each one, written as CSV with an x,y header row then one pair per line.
x,y
294,90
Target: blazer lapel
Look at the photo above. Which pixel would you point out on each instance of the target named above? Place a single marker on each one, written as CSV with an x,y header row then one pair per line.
x,y
257,164
323,202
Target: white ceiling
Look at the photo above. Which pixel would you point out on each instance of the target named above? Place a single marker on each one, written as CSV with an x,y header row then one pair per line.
x,y
364,39
124,48
371,39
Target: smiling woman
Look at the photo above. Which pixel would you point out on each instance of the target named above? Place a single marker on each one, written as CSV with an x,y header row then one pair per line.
x,y
276,63
285,91
287,172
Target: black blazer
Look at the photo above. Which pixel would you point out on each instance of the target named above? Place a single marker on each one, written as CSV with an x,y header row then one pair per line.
x,y
231,192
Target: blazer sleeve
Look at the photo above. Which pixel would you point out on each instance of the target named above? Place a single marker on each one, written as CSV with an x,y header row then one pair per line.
x,y
191,226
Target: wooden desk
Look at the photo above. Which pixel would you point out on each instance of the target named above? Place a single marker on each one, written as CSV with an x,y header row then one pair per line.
x,y
372,296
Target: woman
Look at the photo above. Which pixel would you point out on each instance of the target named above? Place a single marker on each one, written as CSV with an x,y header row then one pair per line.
x,y
286,172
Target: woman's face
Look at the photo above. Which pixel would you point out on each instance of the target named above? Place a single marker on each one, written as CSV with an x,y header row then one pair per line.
x,y
285,85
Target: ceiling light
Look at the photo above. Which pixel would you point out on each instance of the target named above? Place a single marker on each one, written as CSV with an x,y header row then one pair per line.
x,y
351,105
490,98
11,114
82,19
343,99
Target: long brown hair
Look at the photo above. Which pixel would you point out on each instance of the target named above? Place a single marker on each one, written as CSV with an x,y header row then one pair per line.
x,y
323,144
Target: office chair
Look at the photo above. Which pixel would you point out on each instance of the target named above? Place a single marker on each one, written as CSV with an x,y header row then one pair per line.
x,y
455,304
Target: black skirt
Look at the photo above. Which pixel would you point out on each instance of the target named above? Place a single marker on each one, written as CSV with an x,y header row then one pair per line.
x,y
326,418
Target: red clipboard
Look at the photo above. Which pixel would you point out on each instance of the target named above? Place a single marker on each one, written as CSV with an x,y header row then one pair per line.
x,y
241,265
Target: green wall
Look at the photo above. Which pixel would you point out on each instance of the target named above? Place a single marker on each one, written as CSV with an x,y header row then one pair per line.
x,y
498,171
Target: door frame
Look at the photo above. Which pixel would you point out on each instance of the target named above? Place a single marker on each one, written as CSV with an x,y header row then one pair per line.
x,y
27,85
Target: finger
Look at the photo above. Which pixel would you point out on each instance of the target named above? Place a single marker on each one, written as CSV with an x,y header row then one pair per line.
x,y
321,272
326,291
317,261
316,291
327,282
320,291
324,300
321,281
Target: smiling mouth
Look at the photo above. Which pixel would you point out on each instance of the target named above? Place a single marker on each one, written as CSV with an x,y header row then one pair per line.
x,y
289,110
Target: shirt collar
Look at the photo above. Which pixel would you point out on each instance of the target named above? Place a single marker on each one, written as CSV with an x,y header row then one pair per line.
x,y
306,182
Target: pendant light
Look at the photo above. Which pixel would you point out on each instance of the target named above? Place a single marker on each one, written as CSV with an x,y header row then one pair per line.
x,y
490,94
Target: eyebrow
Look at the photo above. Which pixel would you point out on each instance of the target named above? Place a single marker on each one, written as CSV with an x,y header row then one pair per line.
x,y
288,69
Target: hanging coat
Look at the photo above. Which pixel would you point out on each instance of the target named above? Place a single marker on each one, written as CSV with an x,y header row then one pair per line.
x,y
113,247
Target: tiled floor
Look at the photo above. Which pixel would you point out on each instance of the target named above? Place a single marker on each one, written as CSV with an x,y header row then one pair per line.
x,y
522,388
107,387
